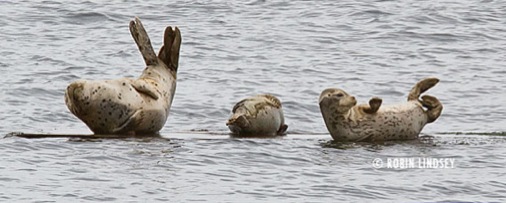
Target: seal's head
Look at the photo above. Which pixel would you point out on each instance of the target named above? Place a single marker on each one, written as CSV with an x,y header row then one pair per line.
x,y
239,124
338,99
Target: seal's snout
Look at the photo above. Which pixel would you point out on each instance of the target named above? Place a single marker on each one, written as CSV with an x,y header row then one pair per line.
x,y
230,121
354,101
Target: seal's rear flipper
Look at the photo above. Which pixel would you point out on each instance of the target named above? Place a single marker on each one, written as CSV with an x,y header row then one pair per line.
x,y
282,129
434,107
421,87
141,38
169,52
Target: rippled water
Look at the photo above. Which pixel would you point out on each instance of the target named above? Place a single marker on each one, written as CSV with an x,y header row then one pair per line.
x,y
234,49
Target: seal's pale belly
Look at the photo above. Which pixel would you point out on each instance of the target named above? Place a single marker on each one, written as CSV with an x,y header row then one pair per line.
x,y
113,106
391,122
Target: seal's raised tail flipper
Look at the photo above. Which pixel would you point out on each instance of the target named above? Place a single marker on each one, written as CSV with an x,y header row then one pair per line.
x,y
169,53
434,107
421,87
142,40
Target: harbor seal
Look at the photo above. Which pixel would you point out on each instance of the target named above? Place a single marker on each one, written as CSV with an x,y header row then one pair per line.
x,y
347,121
260,115
127,105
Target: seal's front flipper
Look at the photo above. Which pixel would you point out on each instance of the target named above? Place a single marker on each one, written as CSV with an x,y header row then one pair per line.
x,y
141,38
374,105
282,129
169,53
421,87
434,107
133,121
146,88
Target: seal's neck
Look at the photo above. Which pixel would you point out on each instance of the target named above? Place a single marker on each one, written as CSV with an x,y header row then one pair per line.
x,y
331,113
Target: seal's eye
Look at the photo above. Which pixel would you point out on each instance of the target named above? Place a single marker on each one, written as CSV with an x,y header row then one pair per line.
x,y
339,94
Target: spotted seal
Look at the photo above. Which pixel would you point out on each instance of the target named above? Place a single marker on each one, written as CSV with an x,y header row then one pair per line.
x,y
128,105
260,115
347,121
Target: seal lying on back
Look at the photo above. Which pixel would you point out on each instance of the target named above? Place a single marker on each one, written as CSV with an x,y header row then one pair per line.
x,y
375,122
260,115
129,105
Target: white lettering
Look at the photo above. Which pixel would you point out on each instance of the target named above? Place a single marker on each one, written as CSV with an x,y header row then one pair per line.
x,y
420,162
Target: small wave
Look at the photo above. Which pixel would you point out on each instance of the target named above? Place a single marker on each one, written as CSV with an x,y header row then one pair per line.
x,y
370,13
82,18
257,2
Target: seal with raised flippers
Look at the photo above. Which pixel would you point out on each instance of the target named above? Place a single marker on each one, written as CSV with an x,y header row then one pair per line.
x,y
260,115
347,121
128,105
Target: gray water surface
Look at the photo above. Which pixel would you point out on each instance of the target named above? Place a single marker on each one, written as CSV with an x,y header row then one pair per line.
x,y
235,49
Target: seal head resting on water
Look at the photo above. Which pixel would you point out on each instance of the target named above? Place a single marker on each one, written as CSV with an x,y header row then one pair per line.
x,y
260,115
347,121
130,105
